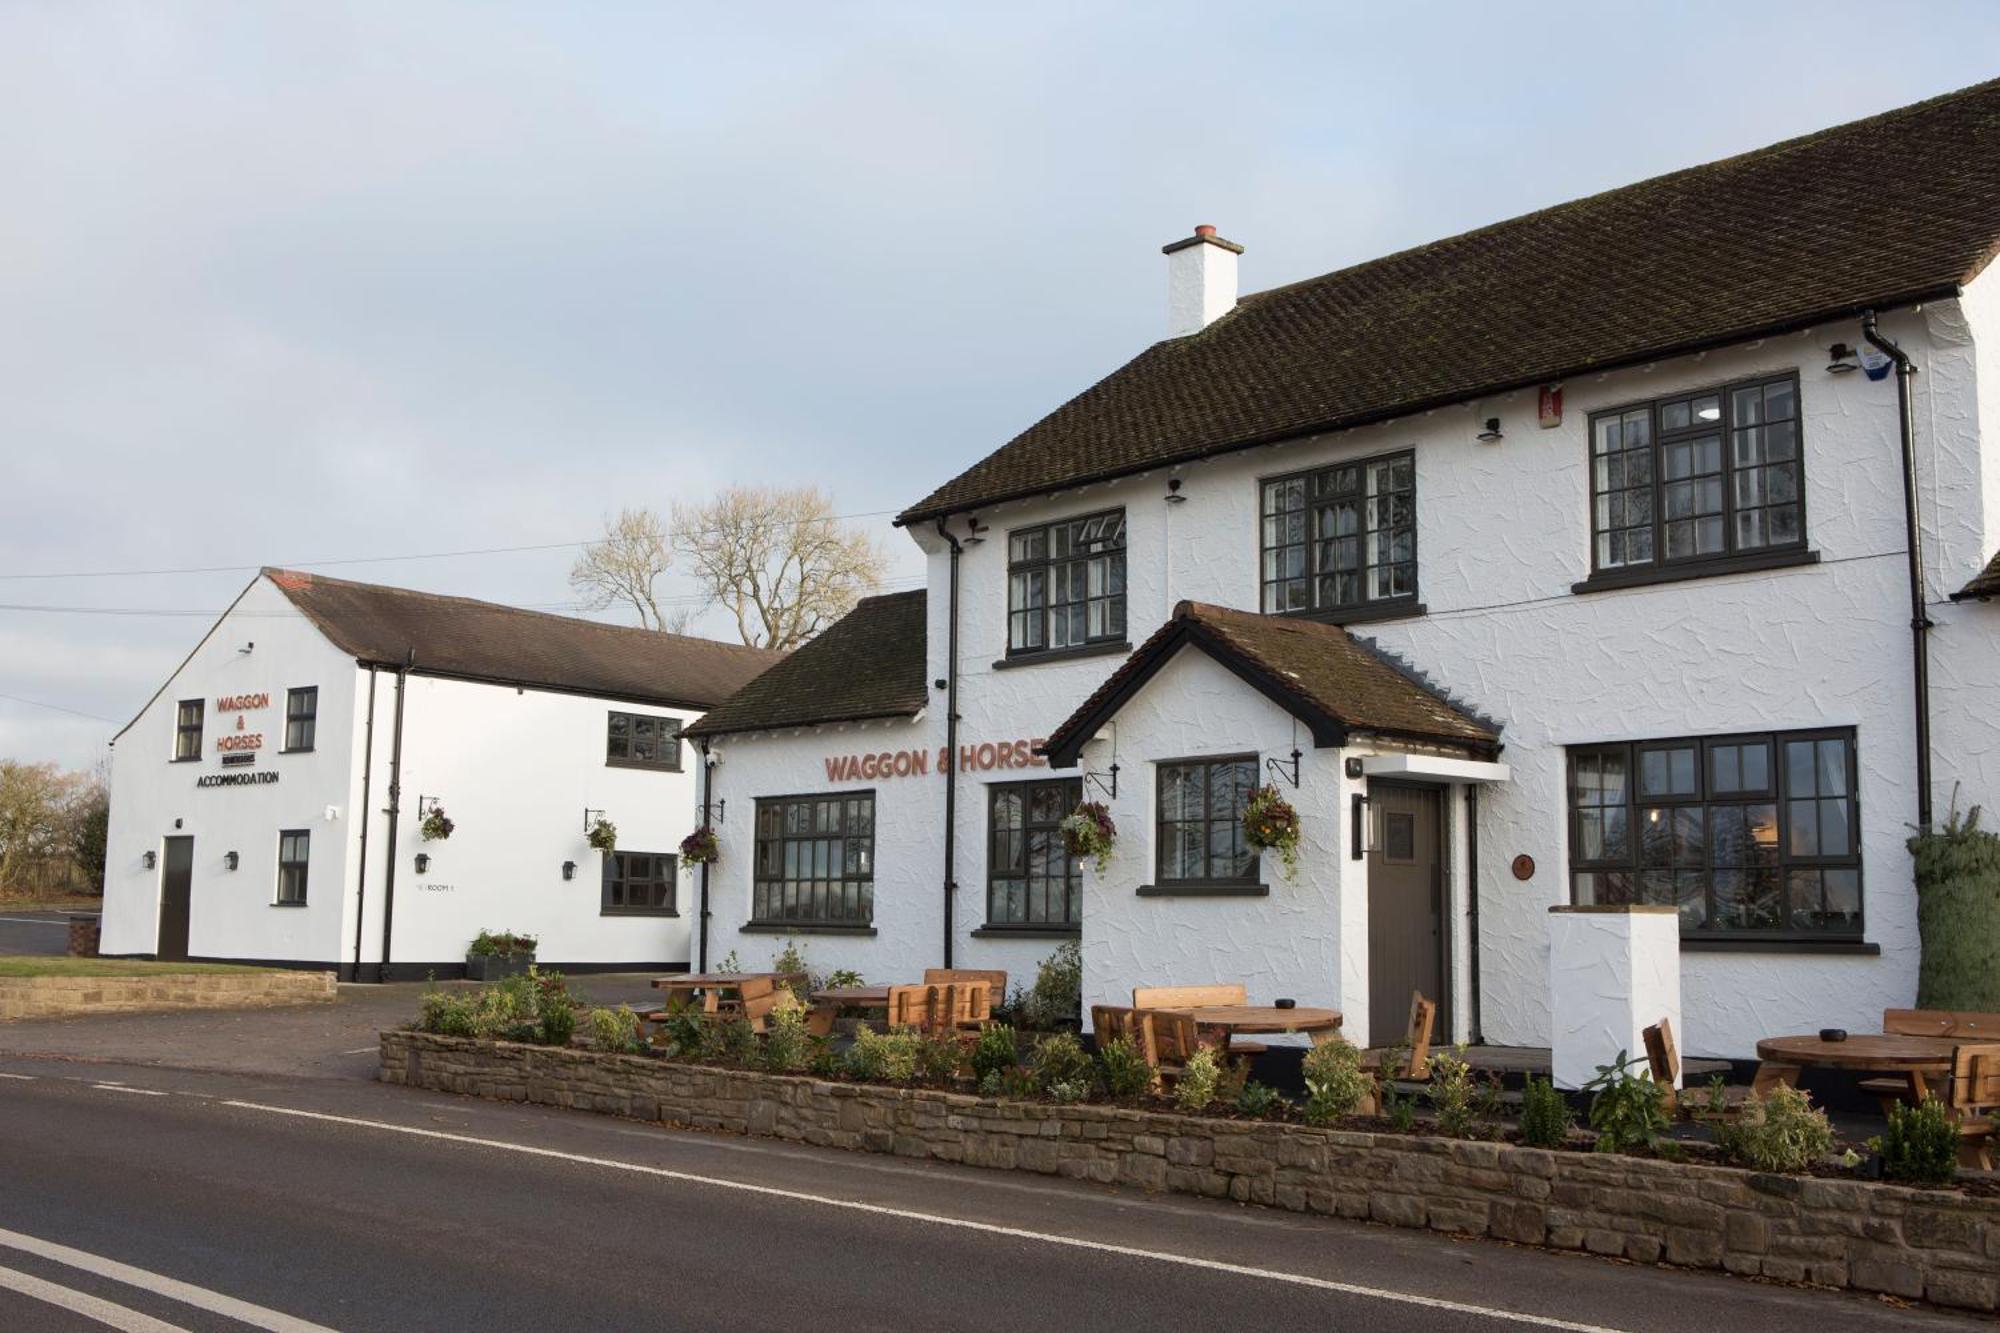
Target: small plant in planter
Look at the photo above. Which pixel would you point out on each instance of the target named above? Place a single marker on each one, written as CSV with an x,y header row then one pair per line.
x,y
1088,831
497,954
436,825
603,835
1270,824
700,848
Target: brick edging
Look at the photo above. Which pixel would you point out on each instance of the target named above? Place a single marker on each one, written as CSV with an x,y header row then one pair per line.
x,y
1859,1235
65,997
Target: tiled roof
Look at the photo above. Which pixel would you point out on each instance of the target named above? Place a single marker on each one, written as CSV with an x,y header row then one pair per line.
x,y
1882,212
460,637
1338,684
868,664
1984,584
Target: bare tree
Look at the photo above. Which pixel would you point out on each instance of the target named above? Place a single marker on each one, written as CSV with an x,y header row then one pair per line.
x,y
39,804
625,566
779,560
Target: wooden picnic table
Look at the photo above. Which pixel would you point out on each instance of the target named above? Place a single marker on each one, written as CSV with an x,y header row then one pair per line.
x,y
1322,1025
861,997
711,984
1919,1059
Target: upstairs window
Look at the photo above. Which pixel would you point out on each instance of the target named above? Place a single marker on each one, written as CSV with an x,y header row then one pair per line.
x,y
1341,538
1700,476
301,717
1066,584
1750,836
640,740
187,730
294,850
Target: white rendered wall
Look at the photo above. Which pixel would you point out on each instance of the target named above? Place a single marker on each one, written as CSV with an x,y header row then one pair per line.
x,y
233,914
1612,975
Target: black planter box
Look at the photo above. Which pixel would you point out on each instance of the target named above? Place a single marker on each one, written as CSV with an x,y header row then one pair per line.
x,y
493,966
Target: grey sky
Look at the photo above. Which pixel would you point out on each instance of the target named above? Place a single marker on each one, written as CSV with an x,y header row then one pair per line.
x,y
294,281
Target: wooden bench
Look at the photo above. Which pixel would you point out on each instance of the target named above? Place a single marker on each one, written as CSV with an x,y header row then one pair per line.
x,y
1945,1023
1975,1095
1198,997
950,1008
1416,1045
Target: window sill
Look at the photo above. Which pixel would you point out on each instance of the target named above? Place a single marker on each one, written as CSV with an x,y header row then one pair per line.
x,y
784,928
299,904
1403,608
1862,948
1008,930
1197,888
1608,580
642,764
1063,655
637,911
303,749
186,759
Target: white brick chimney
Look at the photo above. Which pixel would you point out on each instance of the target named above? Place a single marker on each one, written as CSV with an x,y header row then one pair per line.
x,y
1201,281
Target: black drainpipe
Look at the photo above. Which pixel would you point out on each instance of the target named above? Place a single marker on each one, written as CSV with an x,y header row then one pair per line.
x,y
1920,621
1472,910
951,745
395,808
701,915
367,778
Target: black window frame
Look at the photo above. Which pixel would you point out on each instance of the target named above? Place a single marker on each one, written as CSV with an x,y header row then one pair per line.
x,y
1002,872
1253,869
187,735
813,906
1703,810
1053,568
1731,432
661,880
301,723
670,757
293,873
1319,491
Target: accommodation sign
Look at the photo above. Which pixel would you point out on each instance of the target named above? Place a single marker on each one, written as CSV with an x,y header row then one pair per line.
x,y
978,757
240,739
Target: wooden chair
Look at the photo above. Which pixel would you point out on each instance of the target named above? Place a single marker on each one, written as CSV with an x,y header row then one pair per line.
x,y
1110,1022
1948,1023
1665,1060
995,978
771,999
953,1007
1416,1044
1197,997
1975,1095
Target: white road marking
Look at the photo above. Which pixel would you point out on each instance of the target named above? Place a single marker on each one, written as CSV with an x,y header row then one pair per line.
x,y
25,1078
362,1050
83,1303
120,1087
959,1223
34,921
243,1312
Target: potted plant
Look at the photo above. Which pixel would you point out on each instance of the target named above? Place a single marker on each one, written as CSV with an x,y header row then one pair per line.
x,y
700,848
1088,831
1270,824
603,835
436,825
497,954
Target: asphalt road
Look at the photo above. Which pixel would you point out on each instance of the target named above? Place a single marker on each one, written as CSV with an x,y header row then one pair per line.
x,y
33,932
356,1206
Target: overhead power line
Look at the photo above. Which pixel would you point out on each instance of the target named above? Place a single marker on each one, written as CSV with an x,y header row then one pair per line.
x,y
58,708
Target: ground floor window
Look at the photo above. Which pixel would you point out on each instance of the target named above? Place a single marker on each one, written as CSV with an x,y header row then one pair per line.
x,y
1201,804
639,883
294,848
1031,879
815,860
1750,836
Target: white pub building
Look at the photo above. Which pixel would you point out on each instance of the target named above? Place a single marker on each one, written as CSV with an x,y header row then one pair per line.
x,y
270,802
1568,562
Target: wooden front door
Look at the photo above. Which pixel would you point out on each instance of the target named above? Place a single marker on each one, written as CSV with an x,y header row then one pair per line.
x,y
176,891
1406,938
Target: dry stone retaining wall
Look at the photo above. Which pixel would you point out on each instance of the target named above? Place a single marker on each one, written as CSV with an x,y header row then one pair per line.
x,y
1912,1243
65,997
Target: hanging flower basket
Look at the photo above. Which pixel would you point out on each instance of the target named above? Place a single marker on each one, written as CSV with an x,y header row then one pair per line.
x,y
1088,831
1270,824
604,835
699,848
436,825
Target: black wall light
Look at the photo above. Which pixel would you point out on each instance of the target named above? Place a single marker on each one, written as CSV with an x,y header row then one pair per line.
x,y
1491,435
569,870
423,862
230,859
152,859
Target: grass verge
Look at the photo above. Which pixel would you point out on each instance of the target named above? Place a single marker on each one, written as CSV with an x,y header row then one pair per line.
x,y
34,965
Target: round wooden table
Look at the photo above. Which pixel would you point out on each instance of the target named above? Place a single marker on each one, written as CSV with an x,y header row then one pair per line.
x,y
1321,1024
1916,1058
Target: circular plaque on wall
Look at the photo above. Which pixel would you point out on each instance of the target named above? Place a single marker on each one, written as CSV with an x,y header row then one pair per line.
x,y
1524,866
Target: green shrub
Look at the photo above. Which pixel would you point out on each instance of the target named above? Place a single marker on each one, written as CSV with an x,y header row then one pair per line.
x,y
555,1009
733,1041
1060,1058
1194,1090
684,1034
1782,1131
1452,1093
1336,1084
1057,995
1545,1114
1958,914
1259,1099
1068,1090
788,1047
1012,1081
1123,1069
840,976
792,958
1921,1147
489,943
1399,1108
884,1057
447,1014
1627,1110
995,1050
826,1062
1232,1076
940,1058
615,1031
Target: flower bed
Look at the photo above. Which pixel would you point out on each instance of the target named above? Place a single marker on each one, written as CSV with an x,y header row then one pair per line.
x,y
1918,1244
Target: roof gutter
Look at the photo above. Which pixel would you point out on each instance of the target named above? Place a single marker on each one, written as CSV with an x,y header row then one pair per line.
x,y
1920,621
950,765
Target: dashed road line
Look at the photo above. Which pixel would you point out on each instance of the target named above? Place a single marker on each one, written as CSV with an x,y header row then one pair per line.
x,y
120,1087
